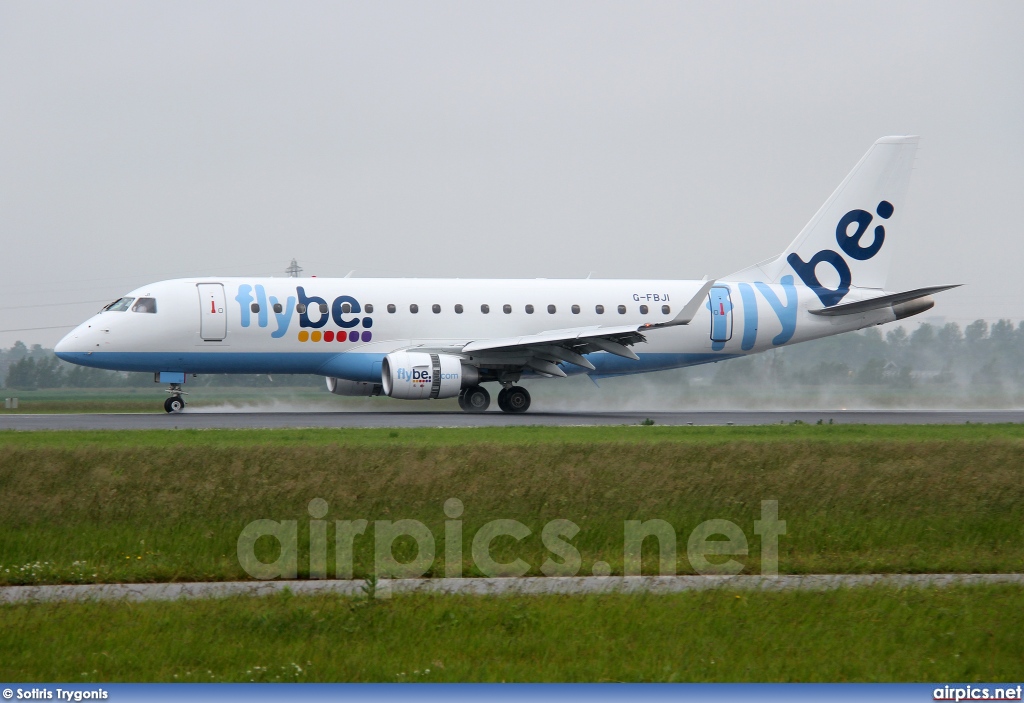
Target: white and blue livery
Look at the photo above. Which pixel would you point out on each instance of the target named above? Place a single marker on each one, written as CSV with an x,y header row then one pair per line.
x,y
418,339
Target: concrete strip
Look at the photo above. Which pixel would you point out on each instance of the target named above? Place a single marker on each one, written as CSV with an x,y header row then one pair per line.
x,y
576,585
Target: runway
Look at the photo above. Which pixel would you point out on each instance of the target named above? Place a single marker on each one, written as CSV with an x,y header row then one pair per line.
x,y
280,420
531,585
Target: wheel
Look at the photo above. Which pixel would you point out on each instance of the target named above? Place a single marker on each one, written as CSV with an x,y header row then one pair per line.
x,y
517,400
503,400
174,404
462,399
475,399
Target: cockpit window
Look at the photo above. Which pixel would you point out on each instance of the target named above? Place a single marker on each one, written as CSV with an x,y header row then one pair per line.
x,y
145,305
119,305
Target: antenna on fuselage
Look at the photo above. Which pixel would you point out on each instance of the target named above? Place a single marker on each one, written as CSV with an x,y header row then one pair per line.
x,y
293,269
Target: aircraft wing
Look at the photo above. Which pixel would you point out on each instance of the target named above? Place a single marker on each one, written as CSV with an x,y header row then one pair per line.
x,y
542,352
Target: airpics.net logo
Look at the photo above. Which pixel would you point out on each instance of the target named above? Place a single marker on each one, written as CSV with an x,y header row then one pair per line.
x,y
710,546
977,693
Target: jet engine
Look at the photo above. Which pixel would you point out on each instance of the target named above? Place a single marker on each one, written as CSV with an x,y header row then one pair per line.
x,y
420,375
340,386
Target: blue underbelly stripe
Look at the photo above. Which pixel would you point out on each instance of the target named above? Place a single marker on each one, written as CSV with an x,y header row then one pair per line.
x,y
354,366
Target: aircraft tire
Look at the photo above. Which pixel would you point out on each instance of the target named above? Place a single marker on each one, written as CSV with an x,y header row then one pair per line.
x,y
475,399
517,400
174,404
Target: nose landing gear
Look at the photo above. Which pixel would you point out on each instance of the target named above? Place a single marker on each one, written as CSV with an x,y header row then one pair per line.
x,y
514,399
175,404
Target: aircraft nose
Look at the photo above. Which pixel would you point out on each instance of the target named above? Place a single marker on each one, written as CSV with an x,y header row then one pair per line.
x,y
65,348
62,346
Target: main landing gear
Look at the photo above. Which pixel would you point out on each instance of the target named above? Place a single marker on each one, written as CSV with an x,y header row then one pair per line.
x,y
513,399
474,399
175,403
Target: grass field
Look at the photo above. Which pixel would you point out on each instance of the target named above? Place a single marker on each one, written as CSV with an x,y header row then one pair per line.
x,y
962,634
170,505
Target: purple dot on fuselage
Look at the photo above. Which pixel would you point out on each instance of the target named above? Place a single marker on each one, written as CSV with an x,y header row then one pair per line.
x,y
367,336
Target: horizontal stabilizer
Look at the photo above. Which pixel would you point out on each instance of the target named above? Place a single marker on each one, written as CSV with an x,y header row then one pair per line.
x,y
882,301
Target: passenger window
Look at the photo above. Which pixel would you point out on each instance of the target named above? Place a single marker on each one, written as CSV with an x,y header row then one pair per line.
x,y
643,309
278,308
575,309
666,310
599,309
391,307
458,308
622,309
345,307
436,308
529,309
507,309
414,308
119,305
255,307
551,309
368,308
323,308
300,308
485,308
146,305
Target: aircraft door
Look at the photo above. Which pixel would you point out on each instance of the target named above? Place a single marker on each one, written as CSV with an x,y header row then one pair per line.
x,y
721,314
213,320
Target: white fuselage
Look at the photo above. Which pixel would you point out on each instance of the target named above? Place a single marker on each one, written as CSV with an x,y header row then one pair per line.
x,y
256,325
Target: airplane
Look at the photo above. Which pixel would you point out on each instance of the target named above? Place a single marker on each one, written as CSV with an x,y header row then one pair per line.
x,y
420,339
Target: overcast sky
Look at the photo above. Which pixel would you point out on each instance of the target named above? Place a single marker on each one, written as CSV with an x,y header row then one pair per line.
x,y
150,140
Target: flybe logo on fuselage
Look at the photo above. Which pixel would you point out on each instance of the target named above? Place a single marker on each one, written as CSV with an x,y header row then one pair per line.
x,y
851,246
313,312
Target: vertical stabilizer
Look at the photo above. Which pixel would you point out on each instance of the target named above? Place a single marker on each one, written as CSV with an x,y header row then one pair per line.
x,y
848,241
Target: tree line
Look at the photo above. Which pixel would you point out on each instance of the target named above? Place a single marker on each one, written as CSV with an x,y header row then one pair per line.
x,y
35,368
979,356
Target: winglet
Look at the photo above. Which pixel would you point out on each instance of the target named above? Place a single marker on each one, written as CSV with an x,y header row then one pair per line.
x,y
688,312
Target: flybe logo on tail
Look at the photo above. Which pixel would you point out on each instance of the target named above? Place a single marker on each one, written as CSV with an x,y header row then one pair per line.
x,y
850,245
